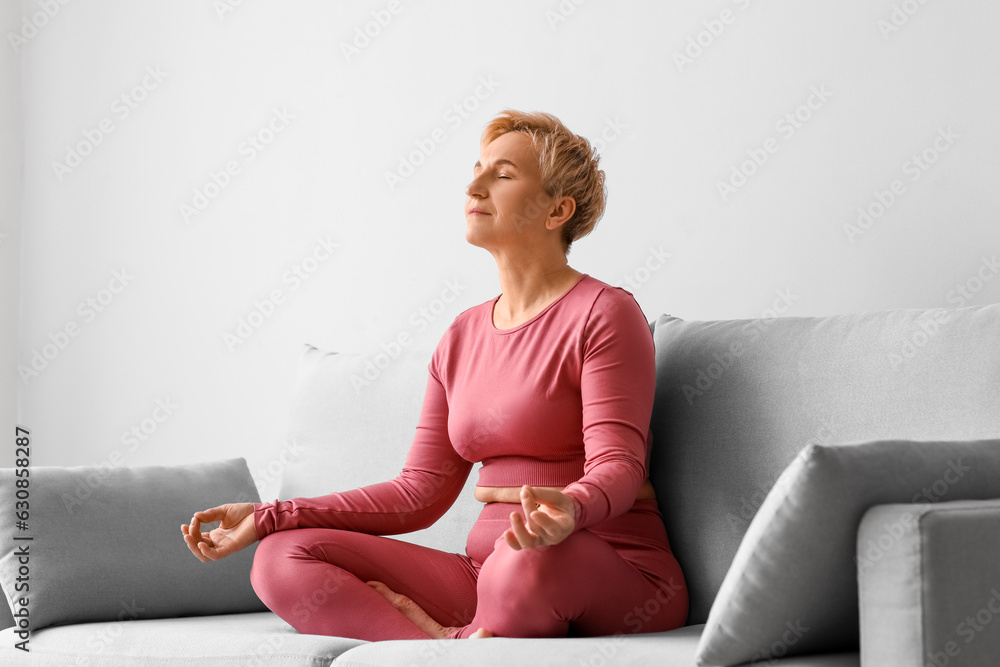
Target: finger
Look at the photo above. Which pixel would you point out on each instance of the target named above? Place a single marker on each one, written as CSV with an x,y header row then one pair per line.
x,y
534,498
212,553
533,528
510,535
529,504
193,537
556,512
549,497
211,515
217,548
525,539
511,541
543,525
192,545
538,522
186,530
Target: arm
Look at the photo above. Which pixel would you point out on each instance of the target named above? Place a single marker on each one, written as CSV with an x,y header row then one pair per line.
x,y
927,579
618,382
432,477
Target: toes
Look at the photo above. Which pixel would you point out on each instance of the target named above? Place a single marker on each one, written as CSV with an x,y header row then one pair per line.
x,y
481,633
411,610
379,587
384,591
400,602
406,605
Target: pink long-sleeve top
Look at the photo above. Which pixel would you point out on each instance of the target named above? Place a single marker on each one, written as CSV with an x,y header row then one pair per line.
x,y
563,399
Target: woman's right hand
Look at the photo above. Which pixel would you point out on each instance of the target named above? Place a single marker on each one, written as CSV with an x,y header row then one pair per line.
x,y
235,532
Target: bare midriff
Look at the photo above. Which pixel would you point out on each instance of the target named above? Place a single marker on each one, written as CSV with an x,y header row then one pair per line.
x,y
512,494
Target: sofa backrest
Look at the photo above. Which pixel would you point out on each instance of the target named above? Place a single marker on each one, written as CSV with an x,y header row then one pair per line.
x,y
736,400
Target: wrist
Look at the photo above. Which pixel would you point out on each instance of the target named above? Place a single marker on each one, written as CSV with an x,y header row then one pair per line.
x,y
259,519
577,509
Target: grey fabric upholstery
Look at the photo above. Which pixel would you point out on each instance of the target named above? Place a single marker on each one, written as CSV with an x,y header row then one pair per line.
x,y
792,587
107,543
254,639
736,400
6,618
929,584
910,374
665,649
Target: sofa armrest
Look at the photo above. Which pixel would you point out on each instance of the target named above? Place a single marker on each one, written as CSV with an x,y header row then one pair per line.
x,y
929,584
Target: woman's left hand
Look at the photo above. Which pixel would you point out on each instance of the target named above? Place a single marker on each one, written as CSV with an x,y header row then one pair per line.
x,y
551,518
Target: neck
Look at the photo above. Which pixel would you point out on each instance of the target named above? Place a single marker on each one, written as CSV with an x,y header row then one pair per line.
x,y
525,288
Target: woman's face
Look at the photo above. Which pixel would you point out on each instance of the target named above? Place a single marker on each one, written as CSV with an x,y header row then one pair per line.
x,y
505,200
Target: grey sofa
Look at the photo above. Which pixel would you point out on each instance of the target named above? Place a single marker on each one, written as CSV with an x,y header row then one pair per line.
x,y
829,486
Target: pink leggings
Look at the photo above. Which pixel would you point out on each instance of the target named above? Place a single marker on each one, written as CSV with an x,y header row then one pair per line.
x,y
617,577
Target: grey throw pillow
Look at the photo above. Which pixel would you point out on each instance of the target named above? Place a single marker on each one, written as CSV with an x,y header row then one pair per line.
x,y
106,543
793,585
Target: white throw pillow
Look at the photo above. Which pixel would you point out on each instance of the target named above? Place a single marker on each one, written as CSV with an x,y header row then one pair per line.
x,y
351,423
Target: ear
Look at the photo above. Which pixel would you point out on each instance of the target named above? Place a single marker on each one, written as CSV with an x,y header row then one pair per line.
x,y
561,211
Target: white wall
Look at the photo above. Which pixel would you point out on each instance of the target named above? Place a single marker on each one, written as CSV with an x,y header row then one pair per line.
x,y
674,132
10,202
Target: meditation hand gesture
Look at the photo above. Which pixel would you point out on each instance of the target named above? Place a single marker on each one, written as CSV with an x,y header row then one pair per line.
x,y
551,518
235,532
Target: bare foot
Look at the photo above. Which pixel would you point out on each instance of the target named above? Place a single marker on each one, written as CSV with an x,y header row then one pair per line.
x,y
420,618
412,611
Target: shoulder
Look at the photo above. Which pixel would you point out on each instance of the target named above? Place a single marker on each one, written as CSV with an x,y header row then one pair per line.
x,y
615,324
612,303
463,328
471,318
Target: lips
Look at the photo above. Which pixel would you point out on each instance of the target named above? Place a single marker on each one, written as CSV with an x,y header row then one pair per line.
x,y
477,211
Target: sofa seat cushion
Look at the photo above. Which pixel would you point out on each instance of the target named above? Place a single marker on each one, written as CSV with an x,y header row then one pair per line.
x,y
262,639
661,649
258,639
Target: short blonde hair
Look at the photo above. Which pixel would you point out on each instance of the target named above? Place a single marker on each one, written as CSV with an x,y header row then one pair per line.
x,y
567,162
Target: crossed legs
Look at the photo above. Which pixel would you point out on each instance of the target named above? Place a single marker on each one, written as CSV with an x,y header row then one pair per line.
x,y
317,581
581,586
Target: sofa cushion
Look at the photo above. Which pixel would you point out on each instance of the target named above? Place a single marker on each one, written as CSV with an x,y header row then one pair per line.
x,y
263,639
106,543
352,421
736,400
793,582
663,649
259,639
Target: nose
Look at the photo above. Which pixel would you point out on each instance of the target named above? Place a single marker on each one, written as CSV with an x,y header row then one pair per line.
x,y
475,188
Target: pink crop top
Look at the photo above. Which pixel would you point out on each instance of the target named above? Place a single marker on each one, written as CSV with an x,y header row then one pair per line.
x,y
563,399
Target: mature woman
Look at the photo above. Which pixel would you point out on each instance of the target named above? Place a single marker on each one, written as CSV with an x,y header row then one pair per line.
x,y
550,385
